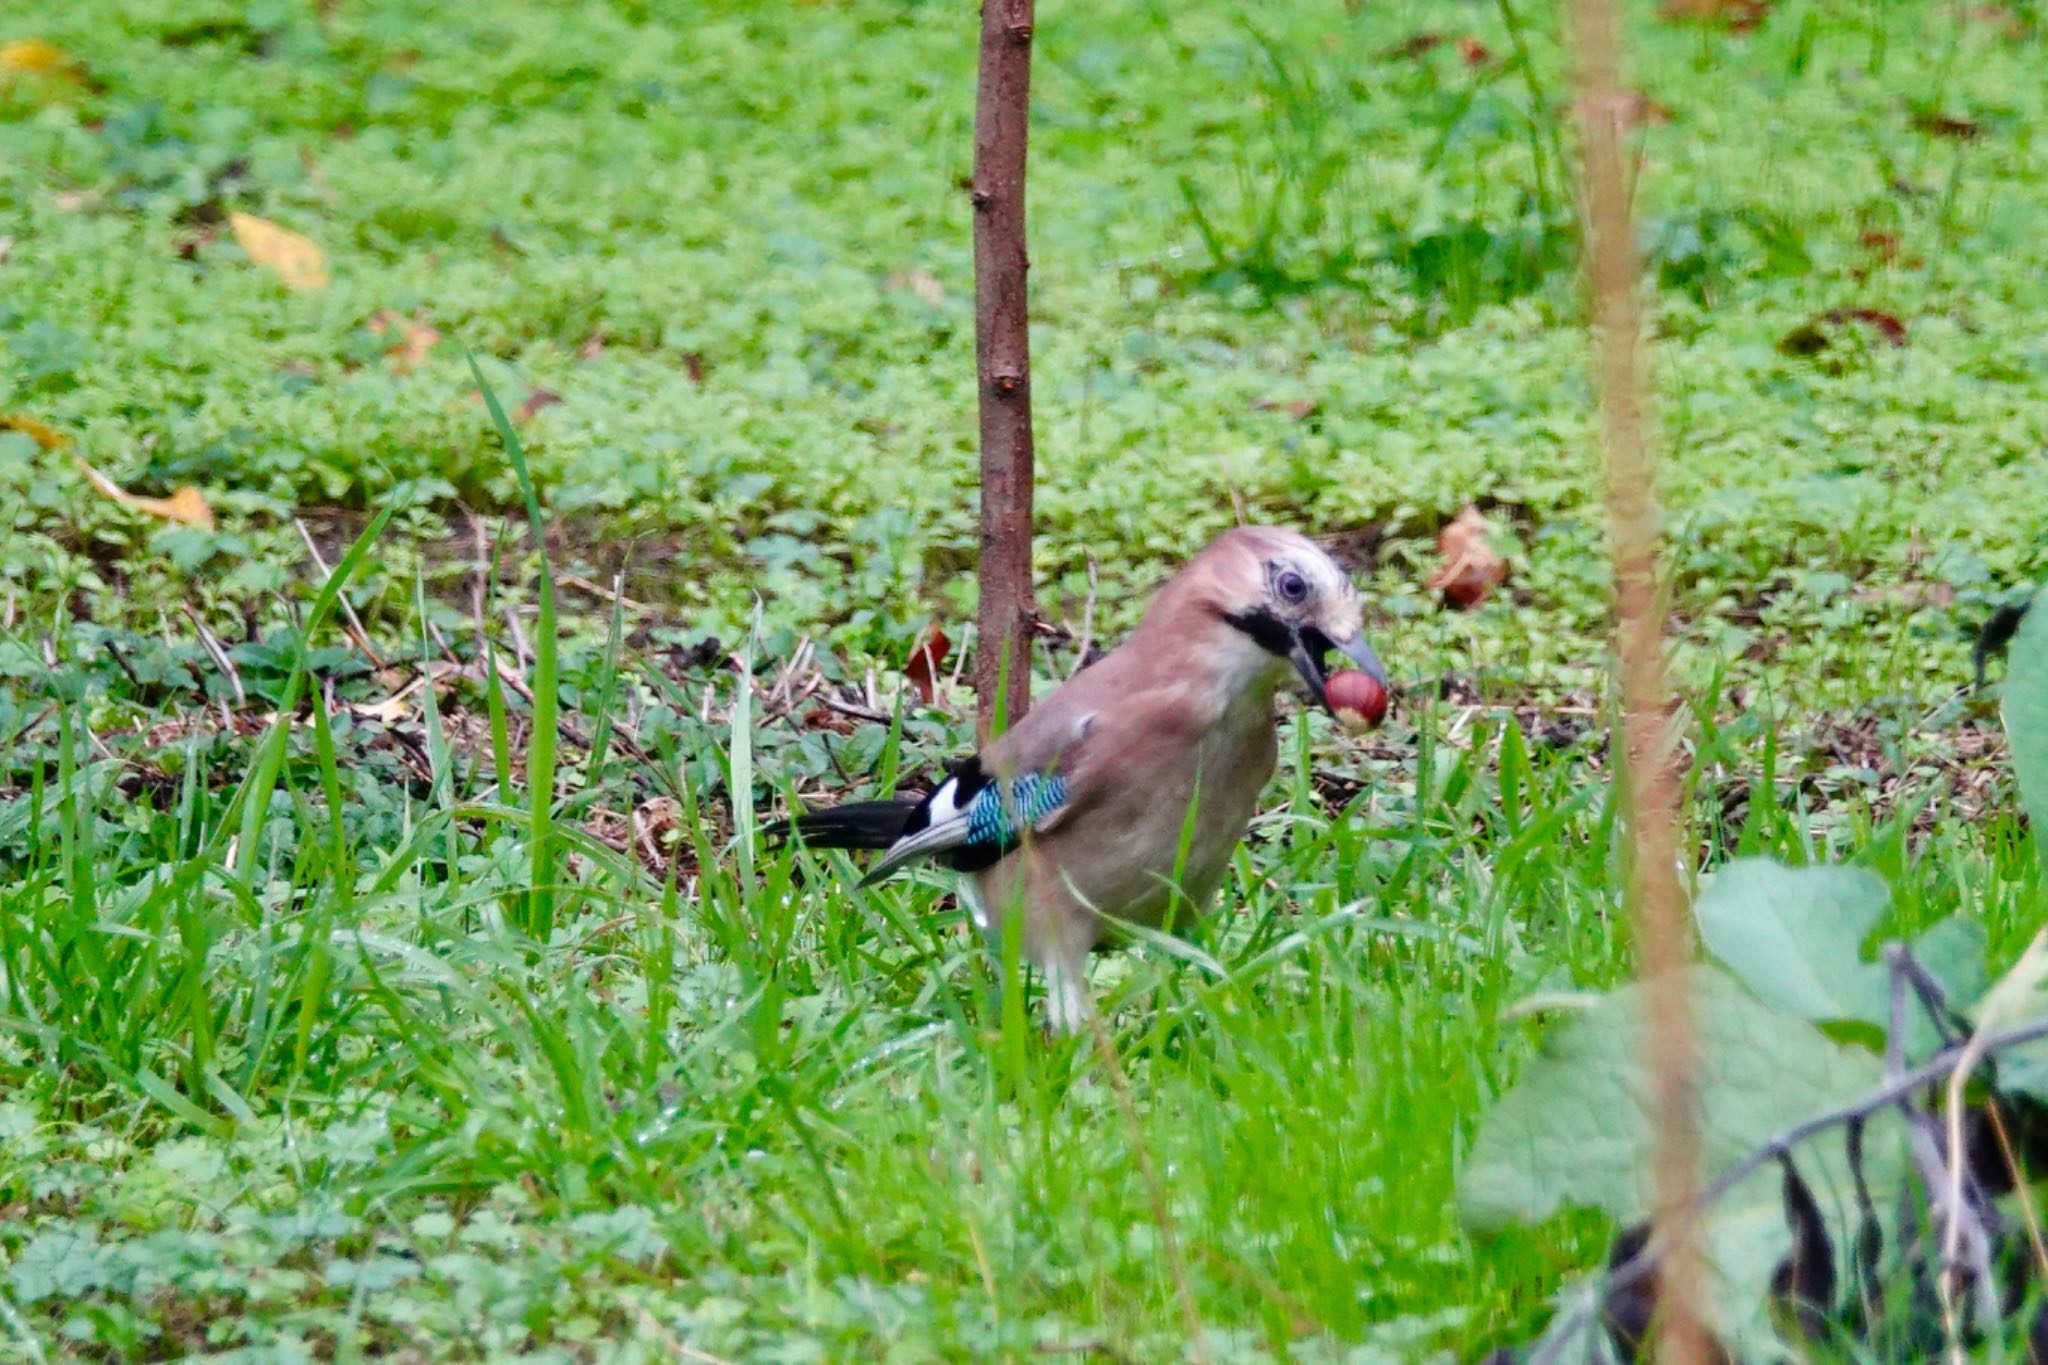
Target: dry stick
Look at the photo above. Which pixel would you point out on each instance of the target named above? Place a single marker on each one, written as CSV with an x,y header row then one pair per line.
x,y
217,651
601,592
362,637
1087,623
1002,353
1658,901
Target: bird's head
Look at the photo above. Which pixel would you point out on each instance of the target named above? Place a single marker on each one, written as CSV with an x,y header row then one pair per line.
x,y
1282,600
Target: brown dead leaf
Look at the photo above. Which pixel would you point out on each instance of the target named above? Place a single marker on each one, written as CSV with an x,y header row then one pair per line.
x,y
1948,126
1474,53
535,401
1418,45
658,831
296,260
1886,325
592,348
186,506
1300,409
410,341
693,365
189,244
1737,16
925,662
1813,337
1471,569
49,438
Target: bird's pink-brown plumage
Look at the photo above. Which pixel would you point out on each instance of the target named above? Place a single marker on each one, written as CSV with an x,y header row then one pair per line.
x,y
1163,746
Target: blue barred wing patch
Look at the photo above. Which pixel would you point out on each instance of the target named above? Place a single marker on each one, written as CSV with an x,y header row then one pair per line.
x,y
992,819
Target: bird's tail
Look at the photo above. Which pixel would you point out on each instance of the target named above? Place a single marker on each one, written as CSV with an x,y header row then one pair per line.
x,y
859,824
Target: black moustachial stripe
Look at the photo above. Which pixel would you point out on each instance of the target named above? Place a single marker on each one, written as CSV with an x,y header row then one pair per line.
x,y
1266,629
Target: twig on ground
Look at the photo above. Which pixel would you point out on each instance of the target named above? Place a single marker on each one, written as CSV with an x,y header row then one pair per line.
x,y
520,652
360,636
1087,640
847,708
218,653
600,591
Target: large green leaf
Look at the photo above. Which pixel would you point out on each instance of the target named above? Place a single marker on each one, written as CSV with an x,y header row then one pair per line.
x,y
1795,936
2026,714
1575,1130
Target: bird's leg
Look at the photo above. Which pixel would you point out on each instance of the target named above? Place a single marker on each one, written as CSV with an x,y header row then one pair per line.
x,y
977,912
1067,1001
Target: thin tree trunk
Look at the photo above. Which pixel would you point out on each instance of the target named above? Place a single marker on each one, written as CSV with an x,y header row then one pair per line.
x,y
1002,352
1656,896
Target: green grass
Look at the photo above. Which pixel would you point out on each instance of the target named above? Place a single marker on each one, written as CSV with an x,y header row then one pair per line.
x,y
495,1031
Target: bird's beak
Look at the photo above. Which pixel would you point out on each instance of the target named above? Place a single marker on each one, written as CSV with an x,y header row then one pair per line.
x,y
1310,647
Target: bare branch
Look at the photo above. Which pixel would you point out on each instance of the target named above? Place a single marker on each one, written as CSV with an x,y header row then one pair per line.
x,y
1003,359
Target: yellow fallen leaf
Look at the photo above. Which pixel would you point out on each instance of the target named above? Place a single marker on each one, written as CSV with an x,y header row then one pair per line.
x,y
49,438
187,506
36,57
296,260
409,342
389,711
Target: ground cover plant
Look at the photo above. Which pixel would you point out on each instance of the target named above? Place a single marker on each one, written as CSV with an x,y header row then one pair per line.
x,y
324,1031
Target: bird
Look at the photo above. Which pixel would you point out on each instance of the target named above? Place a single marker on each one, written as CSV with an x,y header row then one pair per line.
x,y
1120,797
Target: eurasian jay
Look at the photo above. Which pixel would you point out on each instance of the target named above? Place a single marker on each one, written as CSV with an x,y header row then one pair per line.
x,y
1122,794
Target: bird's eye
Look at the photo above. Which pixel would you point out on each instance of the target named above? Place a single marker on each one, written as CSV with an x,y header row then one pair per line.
x,y
1291,586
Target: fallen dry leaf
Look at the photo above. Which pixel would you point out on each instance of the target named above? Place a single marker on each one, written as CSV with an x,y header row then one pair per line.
x,y
1811,338
296,260
1949,126
187,506
1737,16
1475,53
1301,409
1884,324
693,365
389,711
49,438
922,668
1416,46
1471,569
535,401
410,341
37,57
